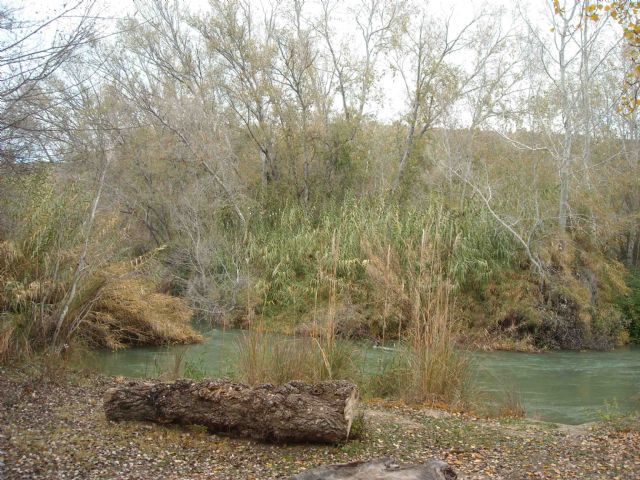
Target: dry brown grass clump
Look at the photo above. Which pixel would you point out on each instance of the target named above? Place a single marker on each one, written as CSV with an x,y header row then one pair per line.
x,y
63,278
129,311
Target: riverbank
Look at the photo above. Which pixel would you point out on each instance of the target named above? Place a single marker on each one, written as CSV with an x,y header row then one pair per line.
x,y
562,387
57,430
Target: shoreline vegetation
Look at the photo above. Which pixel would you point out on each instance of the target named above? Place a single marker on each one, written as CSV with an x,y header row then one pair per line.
x,y
368,269
365,272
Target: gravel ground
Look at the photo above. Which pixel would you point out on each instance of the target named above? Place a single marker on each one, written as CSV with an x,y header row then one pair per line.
x,y
57,430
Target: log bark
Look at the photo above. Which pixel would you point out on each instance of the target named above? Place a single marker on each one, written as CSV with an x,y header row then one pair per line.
x,y
294,412
380,469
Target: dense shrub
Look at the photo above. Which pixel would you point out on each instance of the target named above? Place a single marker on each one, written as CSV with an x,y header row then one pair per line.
x,y
114,304
630,305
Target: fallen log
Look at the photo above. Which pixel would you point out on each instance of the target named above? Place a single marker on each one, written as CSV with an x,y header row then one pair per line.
x,y
380,469
294,412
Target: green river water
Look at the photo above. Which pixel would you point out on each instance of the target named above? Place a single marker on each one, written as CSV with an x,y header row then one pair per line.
x,y
562,387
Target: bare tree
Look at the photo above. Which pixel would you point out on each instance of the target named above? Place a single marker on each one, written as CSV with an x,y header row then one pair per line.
x,y
245,53
31,52
378,22
296,70
161,68
569,66
423,58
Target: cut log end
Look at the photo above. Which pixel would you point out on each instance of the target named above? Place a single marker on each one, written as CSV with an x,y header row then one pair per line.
x,y
294,412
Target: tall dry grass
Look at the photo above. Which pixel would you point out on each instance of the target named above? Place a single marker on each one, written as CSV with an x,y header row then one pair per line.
x,y
270,358
36,258
426,366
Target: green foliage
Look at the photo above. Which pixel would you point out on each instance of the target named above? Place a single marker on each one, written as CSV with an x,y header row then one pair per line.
x,y
289,250
195,370
630,305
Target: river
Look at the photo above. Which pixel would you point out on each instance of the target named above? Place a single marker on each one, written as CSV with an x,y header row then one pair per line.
x,y
562,387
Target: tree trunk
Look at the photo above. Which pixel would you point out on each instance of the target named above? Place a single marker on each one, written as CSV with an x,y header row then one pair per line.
x,y
631,245
82,261
295,412
380,469
563,206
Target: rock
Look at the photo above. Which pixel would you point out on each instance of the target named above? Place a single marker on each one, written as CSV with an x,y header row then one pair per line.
x,y
380,469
